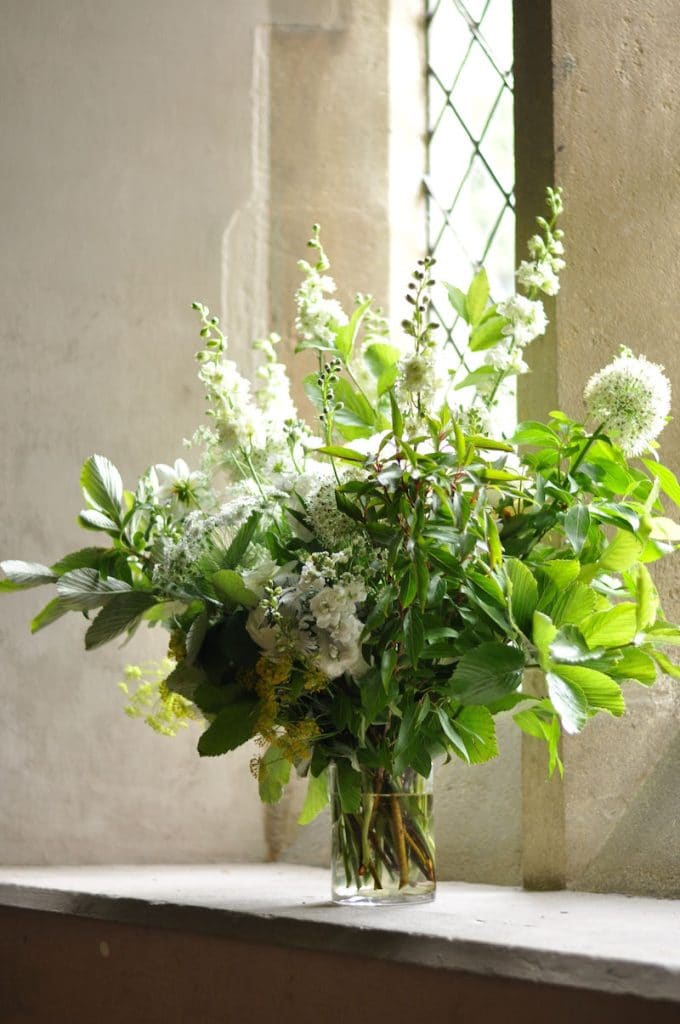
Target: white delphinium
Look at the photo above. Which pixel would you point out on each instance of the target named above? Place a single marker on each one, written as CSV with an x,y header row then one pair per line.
x,y
175,485
526,319
540,274
318,317
509,360
238,421
631,397
273,395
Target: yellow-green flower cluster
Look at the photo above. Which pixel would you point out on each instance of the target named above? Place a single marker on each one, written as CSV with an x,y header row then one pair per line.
x,y
165,712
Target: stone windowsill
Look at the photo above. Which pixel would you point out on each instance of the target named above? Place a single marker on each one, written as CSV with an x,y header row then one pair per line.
x,y
607,943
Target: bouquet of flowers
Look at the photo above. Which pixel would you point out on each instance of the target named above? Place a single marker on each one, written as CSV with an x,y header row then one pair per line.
x,y
364,596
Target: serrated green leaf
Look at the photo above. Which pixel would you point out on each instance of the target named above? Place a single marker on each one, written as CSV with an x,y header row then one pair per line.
x,y
600,691
562,571
569,702
634,664
119,615
24,575
622,553
185,679
380,357
229,729
231,589
85,558
92,519
356,418
576,527
85,588
273,775
449,730
475,726
544,632
52,611
348,782
666,665
531,432
612,628
574,606
414,634
486,673
667,479
316,799
647,599
102,486
523,593
242,540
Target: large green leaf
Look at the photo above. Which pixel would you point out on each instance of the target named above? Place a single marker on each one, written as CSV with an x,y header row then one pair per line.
x,y
634,664
93,519
102,486
232,590
85,558
316,798
120,614
612,628
414,634
345,336
600,691
487,673
230,728
52,611
574,606
85,588
381,357
487,334
356,418
667,479
569,702
23,575
523,593
273,775
475,726
647,598
576,526
544,632
349,786
241,541
457,300
622,553
477,297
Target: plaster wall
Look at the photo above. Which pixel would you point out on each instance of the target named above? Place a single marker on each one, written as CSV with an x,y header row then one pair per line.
x,y
613,144
127,149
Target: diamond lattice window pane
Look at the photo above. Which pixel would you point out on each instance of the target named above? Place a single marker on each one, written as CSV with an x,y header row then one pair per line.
x,y
470,177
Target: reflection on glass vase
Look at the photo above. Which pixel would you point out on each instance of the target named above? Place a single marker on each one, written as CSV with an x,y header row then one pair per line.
x,y
383,841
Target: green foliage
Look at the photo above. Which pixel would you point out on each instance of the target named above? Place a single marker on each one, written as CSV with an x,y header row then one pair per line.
x,y
230,728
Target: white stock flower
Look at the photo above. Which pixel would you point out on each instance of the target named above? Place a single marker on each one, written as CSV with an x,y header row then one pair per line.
x,y
318,317
527,319
508,360
632,397
541,275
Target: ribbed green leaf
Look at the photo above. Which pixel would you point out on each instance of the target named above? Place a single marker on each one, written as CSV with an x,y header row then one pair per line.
x,y
120,614
569,702
487,673
85,588
316,798
229,729
23,575
102,486
600,691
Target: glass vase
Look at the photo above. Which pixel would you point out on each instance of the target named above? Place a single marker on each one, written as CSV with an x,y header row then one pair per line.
x,y
383,852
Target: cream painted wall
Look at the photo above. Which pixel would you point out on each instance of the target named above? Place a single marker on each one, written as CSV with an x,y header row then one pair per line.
x,y
127,149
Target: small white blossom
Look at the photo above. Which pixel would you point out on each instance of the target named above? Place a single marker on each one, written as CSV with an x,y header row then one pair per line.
x,y
318,317
632,397
175,484
541,275
527,319
508,360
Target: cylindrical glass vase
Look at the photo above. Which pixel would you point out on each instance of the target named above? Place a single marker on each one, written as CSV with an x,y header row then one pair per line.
x,y
383,851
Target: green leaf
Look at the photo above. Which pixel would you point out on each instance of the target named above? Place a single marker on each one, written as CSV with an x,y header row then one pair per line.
x,y
600,691
50,613
209,697
120,614
622,553
414,634
92,519
273,775
397,418
102,486
85,588
85,558
374,699
532,724
388,663
230,728
231,589
185,679
667,479
544,632
612,628
666,665
487,334
576,526
381,357
241,541
339,452
23,575
312,390
562,571
345,336
477,297
349,786
532,432
454,737
523,593
487,673
457,300
569,702
316,798
475,726
634,664
574,606
647,599
476,377
357,418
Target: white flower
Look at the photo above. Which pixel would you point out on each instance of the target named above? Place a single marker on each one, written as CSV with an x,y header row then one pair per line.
x,y
541,275
508,360
527,319
632,397
318,317
175,484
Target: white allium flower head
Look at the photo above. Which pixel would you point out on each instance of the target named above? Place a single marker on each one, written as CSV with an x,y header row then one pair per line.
x,y
632,397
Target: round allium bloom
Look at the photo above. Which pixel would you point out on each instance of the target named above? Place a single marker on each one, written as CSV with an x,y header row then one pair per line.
x,y
632,398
